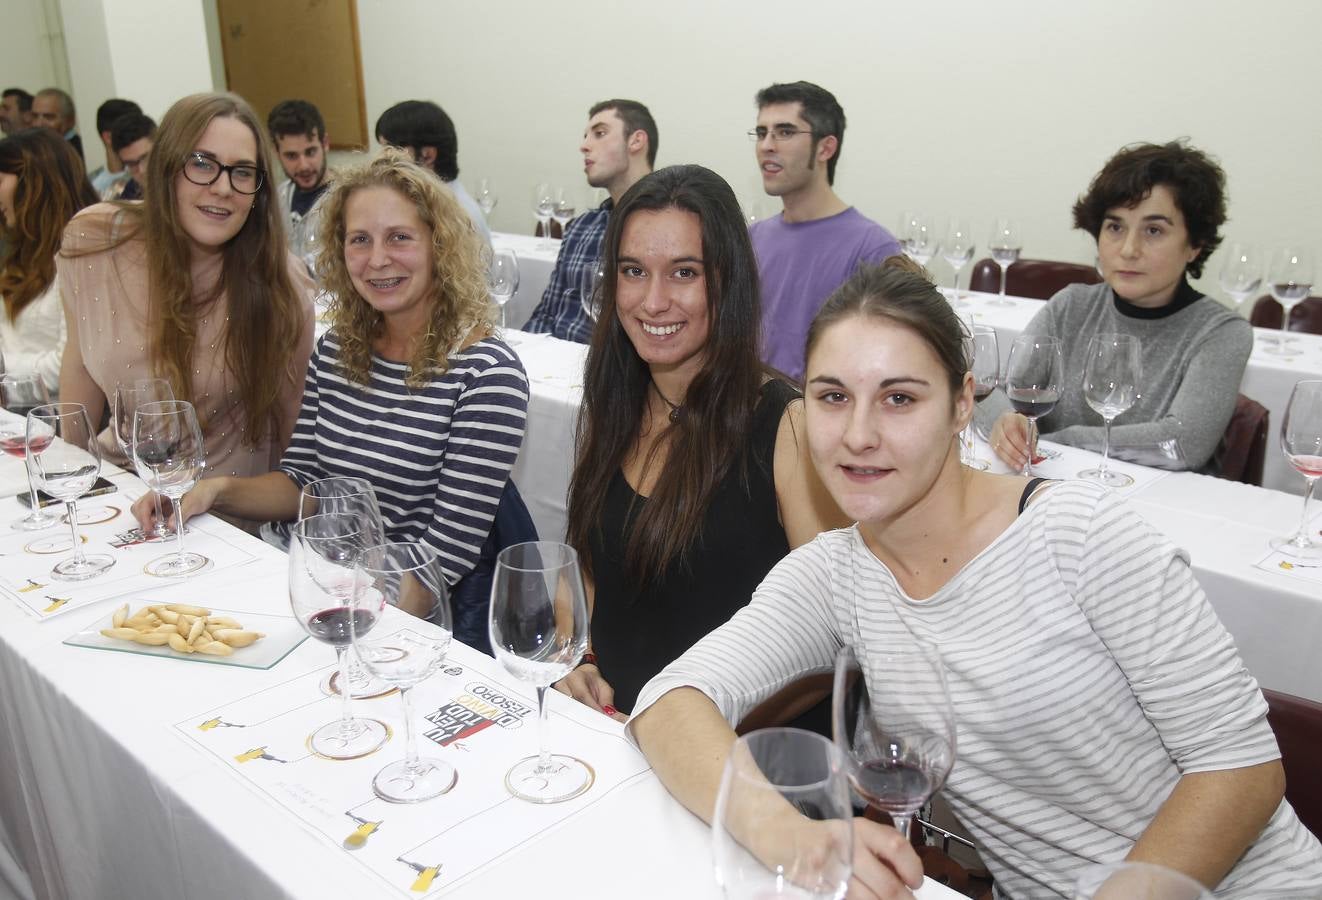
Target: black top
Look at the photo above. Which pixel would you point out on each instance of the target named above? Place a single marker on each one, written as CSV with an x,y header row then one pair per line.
x,y
302,200
1185,295
637,630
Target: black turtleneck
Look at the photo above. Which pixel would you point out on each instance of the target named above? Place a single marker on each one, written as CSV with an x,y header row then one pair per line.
x,y
1185,295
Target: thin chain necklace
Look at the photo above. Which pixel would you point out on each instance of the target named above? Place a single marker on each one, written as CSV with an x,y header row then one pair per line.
x,y
676,409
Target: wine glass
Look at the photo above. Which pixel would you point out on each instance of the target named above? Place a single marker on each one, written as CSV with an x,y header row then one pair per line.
x,y
543,205
405,657
783,823
128,396
65,462
486,196
564,208
1112,367
1241,272
503,278
590,290
1032,382
325,592
1137,881
1005,245
1301,441
539,631
19,395
169,455
919,241
985,364
1290,278
957,249
892,719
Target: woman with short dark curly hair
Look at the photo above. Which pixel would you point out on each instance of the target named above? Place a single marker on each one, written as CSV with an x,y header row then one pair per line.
x,y
1155,211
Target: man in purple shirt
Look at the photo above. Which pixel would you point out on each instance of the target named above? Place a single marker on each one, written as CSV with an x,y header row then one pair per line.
x,y
817,242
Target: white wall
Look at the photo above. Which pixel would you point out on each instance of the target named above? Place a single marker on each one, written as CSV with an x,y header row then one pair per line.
x,y
26,60
961,107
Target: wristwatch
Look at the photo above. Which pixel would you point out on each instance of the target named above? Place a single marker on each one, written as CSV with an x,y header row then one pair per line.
x,y
589,659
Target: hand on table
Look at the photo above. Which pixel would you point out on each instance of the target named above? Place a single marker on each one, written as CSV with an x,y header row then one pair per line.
x,y
886,867
586,685
1009,440
196,502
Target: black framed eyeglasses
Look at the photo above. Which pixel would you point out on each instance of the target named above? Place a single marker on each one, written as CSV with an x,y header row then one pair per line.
x,y
778,134
203,170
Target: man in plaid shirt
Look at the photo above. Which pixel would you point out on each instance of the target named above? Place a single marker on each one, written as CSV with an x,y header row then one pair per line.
x,y
619,147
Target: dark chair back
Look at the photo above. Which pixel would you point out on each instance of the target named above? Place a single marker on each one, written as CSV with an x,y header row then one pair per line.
x,y
470,599
1040,279
556,231
1306,317
1244,445
1297,723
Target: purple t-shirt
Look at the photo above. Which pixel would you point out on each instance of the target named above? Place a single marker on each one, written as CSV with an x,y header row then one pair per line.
x,y
800,264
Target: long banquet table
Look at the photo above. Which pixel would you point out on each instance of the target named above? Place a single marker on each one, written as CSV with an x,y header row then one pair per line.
x,y
535,264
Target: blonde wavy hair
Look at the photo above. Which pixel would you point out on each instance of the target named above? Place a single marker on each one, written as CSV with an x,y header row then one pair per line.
x,y
460,301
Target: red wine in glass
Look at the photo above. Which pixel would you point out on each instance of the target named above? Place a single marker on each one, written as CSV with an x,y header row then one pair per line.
x,y
17,444
333,626
1033,402
1307,465
894,786
982,391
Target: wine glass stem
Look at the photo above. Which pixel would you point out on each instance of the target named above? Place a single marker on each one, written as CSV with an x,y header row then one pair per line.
x,y
902,824
502,315
32,488
160,516
1106,447
178,503
1302,538
346,693
72,506
954,286
1004,271
1032,440
543,755
1285,326
410,730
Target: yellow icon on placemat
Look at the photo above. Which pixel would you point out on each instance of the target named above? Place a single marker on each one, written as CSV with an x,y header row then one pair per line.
x,y
209,724
257,753
425,874
359,836
1287,566
31,586
55,603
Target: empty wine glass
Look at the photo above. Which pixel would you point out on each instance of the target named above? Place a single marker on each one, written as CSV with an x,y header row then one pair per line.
x,y
128,396
590,290
1005,245
1112,368
1301,441
19,395
539,631
919,240
169,455
503,278
325,593
985,364
783,823
1137,881
1241,272
892,719
1032,383
564,208
486,196
1290,278
65,462
957,249
407,656
543,205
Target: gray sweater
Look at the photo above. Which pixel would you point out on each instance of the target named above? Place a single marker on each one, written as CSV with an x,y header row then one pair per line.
x,y
1193,361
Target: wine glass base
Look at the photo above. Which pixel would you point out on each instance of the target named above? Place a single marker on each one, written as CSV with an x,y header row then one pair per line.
x,y
89,566
998,300
1106,477
401,783
35,522
978,465
176,565
363,737
564,779
367,688
1281,350
1287,546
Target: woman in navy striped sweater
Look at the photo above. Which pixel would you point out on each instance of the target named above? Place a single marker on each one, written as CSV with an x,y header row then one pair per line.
x,y
410,388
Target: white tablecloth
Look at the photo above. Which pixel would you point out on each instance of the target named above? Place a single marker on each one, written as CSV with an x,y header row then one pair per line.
x,y
535,264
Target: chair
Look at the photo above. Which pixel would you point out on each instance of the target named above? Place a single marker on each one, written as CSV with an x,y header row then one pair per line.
x,y
1039,279
1243,449
556,231
1297,723
1306,317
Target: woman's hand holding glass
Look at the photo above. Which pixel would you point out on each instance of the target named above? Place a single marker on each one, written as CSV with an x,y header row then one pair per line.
x,y
169,454
129,395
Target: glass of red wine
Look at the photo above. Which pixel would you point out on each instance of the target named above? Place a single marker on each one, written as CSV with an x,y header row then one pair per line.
x,y
331,598
1033,377
984,357
18,396
1301,441
892,720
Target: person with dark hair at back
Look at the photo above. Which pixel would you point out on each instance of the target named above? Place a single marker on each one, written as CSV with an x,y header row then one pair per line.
x,y
107,176
619,147
132,137
53,108
15,110
299,134
427,133
818,240
1155,211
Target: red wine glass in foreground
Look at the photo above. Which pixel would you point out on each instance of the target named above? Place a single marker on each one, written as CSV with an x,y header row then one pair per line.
x,y
892,720
1032,382
1301,441
19,396
984,355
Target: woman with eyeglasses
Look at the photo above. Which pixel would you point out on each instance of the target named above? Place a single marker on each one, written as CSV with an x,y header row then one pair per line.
x,y
194,285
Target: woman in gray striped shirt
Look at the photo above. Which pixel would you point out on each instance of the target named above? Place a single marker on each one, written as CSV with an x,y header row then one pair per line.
x,y
1101,709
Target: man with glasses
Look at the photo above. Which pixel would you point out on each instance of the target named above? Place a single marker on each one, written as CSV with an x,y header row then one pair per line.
x,y
619,147
131,137
817,242
106,178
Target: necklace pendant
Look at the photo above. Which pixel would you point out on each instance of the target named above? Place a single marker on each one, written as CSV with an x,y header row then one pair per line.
x,y
674,414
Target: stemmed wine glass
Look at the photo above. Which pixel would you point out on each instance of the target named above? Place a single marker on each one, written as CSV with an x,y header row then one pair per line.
x,y
543,205
326,592
1112,368
1136,881
919,239
539,631
985,364
1301,441
503,278
564,208
169,455
957,250
65,462
486,197
1032,382
590,289
129,395
19,395
783,823
1005,245
406,657
1241,273
1291,279
892,719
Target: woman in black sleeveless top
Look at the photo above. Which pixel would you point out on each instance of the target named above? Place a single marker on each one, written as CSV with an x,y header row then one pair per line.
x,y
692,478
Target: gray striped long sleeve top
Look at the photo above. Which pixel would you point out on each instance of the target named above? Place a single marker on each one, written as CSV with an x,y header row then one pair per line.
x,y
1087,673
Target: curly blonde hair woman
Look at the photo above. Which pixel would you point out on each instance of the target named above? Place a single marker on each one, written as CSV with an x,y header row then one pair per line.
x,y
409,388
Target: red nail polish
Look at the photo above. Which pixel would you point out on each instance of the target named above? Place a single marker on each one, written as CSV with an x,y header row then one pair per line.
x,y
608,710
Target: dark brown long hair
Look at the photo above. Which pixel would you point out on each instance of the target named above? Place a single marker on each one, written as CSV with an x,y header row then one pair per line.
x,y
51,188
707,439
